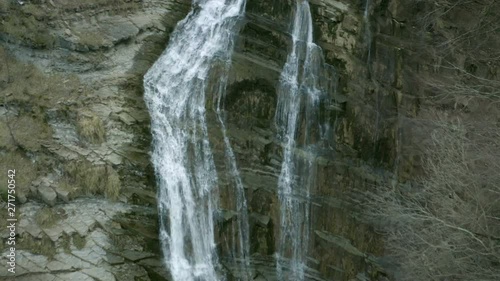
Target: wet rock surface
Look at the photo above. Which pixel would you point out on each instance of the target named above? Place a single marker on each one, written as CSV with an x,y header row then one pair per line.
x,y
74,125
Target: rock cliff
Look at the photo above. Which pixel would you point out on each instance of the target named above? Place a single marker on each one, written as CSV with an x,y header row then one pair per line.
x,y
74,126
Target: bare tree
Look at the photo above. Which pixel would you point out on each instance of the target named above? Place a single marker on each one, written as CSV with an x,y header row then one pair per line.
x,y
446,227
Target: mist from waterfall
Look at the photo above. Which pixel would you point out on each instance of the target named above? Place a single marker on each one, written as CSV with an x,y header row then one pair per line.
x,y
175,92
297,120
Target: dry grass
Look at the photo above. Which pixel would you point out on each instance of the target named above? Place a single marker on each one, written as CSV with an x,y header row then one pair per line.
x,y
113,184
29,132
66,185
6,140
26,171
72,5
47,217
91,128
27,24
86,178
91,39
25,83
39,246
65,243
4,6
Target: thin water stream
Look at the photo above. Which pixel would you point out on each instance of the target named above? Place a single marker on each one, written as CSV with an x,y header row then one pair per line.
x,y
297,120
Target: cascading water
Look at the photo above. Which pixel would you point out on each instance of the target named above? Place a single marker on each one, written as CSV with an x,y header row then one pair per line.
x,y
175,91
241,252
368,35
297,119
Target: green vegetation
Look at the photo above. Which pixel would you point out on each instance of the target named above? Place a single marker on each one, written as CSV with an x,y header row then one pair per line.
x,y
79,241
65,243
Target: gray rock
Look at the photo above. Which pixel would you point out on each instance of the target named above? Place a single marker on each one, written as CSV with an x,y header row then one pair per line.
x,y
88,255
37,277
119,30
114,259
136,255
47,194
21,197
72,261
75,276
114,159
35,263
54,232
126,118
99,273
31,228
56,265
260,219
62,194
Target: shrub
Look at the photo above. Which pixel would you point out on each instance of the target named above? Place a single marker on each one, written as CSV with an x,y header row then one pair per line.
x,y
446,227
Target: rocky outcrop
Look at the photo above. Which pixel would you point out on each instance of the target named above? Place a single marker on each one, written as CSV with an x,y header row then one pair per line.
x,y
87,239
74,126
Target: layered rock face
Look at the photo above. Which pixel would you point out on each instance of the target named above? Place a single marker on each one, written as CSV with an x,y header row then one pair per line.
x,y
75,128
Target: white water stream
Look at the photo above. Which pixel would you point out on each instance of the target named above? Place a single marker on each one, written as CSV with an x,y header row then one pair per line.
x,y
368,35
297,120
175,91
176,88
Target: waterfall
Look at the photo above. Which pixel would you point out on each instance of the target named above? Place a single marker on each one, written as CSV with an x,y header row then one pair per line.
x,y
368,35
241,252
297,120
175,93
